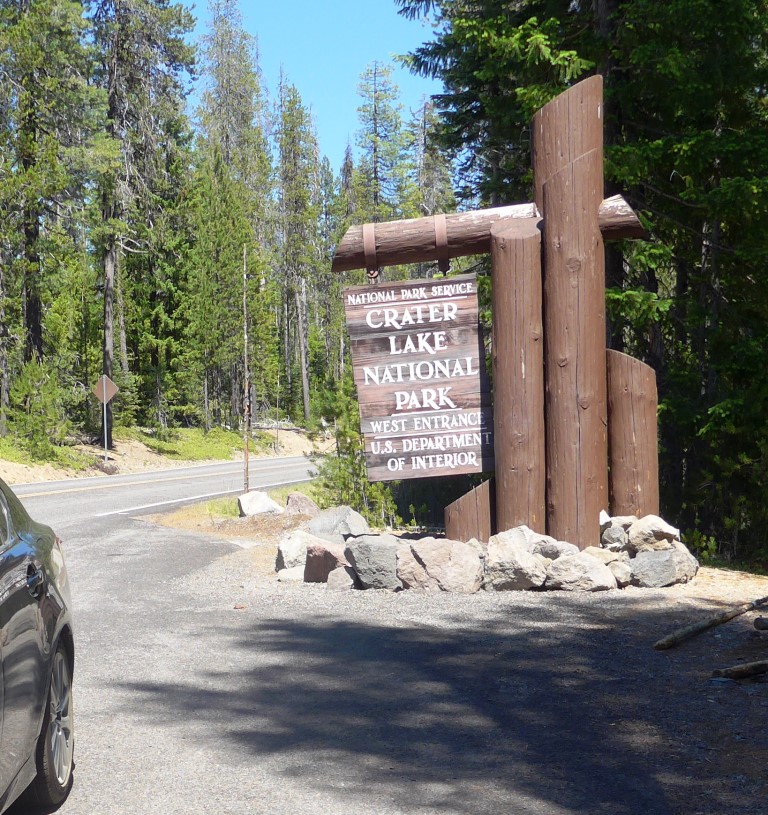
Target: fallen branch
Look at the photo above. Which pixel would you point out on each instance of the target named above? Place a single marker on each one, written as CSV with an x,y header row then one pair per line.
x,y
743,671
683,634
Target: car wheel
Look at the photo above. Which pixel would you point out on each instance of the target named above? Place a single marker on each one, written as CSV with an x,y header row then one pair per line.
x,y
55,751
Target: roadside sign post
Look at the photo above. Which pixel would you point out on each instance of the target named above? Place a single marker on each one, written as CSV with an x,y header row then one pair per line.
x,y
105,391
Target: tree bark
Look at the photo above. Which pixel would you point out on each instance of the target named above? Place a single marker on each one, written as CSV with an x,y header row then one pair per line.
x,y
301,308
110,265
469,233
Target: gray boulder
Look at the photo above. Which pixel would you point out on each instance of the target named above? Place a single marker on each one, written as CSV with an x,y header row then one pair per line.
x,y
511,565
603,555
299,504
342,579
341,520
624,521
293,575
322,558
653,569
412,573
374,558
292,549
580,572
552,549
519,537
256,503
622,571
614,538
651,533
454,566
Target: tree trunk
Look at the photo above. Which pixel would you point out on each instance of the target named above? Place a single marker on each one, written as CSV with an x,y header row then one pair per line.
x,y
110,265
301,308
120,303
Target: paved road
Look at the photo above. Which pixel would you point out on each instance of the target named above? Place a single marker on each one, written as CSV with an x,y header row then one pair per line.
x,y
203,686
76,503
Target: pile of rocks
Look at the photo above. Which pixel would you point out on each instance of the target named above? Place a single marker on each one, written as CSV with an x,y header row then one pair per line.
x,y
337,547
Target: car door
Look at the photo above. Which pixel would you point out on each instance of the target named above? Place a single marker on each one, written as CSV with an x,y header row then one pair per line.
x,y
21,583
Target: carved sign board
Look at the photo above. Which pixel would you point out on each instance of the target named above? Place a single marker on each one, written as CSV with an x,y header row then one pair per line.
x,y
418,361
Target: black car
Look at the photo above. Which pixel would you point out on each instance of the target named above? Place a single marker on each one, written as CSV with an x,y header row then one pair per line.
x,y
36,661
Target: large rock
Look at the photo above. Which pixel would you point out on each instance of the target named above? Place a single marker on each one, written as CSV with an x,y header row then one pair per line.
x,y
615,538
453,565
299,504
580,572
412,573
603,555
341,520
256,503
292,549
342,579
293,575
622,571
653,569
651,533
519,537
374,558
553,549
511,564
322,558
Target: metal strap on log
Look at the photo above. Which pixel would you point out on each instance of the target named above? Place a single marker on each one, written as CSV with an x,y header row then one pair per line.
x,y
441,243
467,233
369,250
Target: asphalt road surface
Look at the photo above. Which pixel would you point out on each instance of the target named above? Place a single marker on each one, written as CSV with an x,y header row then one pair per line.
x,y
204,687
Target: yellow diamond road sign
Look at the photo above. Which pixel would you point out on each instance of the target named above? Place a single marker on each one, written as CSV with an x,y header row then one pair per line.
x,y
105,389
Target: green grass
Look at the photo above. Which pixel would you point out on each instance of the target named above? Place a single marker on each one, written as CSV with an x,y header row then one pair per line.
x,y
193,444
66,457
222,508
280,494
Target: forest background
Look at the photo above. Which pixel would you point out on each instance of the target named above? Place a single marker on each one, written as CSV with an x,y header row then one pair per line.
x,y
141,240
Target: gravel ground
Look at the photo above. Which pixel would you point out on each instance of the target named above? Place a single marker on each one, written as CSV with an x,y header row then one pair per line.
x,y
517,702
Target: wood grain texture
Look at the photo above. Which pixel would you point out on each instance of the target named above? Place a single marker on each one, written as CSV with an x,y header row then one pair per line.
x,y
423,392
574,326
632,436
565,129
518,374
472,515
468,233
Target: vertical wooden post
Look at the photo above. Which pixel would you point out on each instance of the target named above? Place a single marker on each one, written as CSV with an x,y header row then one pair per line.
x,y
632,436
472,515
518,374
568,173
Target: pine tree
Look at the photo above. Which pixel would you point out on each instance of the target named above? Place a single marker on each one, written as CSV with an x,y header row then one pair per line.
x,y
144,64
299,239
382,174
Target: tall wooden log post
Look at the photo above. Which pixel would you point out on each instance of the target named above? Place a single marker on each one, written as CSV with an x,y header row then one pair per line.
x,y
632,436
568,180
518,374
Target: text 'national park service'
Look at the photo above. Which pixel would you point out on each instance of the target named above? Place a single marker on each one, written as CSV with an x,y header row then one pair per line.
x,y
419,368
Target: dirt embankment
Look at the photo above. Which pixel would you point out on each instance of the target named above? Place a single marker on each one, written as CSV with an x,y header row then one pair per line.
x,y
130,456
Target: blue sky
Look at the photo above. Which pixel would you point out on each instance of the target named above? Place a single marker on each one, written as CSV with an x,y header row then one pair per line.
x,y
323,47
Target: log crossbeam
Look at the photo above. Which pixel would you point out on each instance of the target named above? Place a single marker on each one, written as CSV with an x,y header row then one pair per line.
x,y
466,233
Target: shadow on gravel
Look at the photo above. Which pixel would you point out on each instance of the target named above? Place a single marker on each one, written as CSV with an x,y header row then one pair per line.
x,y
540,707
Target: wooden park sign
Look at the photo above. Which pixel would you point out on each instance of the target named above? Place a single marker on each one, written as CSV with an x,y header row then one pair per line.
x,y
419,367
574,424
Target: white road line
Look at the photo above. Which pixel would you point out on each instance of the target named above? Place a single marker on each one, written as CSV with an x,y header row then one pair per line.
x,y
113,485
194,498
